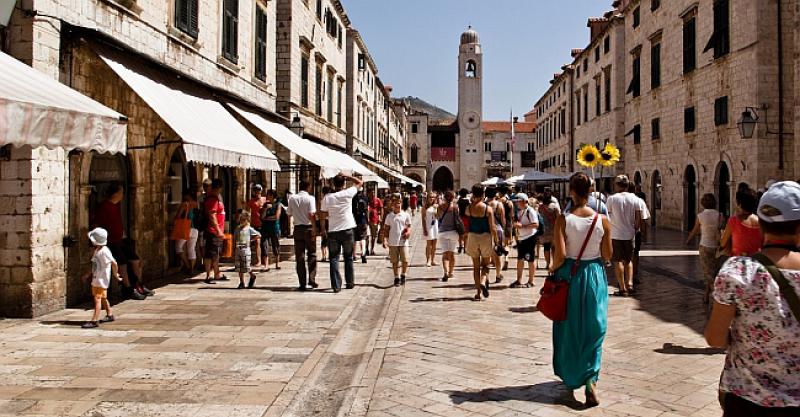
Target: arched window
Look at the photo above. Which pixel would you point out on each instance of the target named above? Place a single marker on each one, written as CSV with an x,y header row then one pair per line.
x,y
414,153
472,69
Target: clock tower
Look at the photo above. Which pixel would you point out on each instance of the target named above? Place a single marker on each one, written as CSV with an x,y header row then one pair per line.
x,y
470,110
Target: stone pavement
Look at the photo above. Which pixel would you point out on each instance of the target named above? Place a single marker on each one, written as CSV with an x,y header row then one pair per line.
x,y
423,350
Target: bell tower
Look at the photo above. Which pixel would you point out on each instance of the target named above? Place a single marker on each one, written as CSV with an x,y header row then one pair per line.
x,y
470,109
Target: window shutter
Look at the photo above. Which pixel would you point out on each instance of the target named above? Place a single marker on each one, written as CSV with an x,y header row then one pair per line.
x,y
689,39
192,12
688,120
655,66
261,44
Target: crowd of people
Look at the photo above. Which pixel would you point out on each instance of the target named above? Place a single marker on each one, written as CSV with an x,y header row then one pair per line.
x,y
750,261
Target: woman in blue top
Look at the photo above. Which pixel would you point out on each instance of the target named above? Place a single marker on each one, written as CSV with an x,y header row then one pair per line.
x,y
481,241
581,243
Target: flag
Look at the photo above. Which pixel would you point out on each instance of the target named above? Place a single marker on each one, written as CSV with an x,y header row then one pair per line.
x,y
513,136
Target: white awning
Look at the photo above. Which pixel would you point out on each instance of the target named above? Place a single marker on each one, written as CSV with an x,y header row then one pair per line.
x,y
402,178
37,110
304,148
351,166
209,133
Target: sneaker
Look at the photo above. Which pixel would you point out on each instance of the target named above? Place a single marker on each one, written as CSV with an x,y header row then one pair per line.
x,y
403,279
445,278
146,291
397,282
349,286
90,325
313,284
107,319
136,295
241,286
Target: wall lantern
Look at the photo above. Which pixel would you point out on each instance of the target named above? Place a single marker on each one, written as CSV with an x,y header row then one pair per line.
x,y
747,123
297,126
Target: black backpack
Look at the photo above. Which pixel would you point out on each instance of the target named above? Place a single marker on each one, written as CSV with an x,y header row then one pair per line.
x,y
540,231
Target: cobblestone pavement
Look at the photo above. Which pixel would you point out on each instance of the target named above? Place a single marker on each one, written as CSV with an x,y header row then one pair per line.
x,y
424,350
449,356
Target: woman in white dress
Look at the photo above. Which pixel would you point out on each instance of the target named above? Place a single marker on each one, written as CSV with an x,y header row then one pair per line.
x,y
430,228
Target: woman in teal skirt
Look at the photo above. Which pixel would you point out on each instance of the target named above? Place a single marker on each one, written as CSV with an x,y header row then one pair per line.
x,y
578,340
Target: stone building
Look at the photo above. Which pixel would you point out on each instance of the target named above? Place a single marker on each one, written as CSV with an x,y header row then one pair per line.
x,y
689,74
141,59
555,137
452,154
312,67
361,97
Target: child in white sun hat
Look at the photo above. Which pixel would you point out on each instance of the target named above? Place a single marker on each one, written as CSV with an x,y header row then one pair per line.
x,y
103,268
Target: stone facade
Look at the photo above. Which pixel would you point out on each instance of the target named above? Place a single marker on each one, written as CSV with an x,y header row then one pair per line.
x,y
555,136
48,195
362,92
306,37
677,125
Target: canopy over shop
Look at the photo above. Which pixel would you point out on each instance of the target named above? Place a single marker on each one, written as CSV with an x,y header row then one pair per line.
x,y
208,132
330,162
400,178
37,110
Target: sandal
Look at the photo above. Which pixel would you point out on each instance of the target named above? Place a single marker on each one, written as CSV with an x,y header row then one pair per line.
x,y
620,293
591,395
222,278
485,290
477,297
515,284
529,285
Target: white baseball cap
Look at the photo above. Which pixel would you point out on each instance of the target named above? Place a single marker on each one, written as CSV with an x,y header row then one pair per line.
x,y
780,203
521,197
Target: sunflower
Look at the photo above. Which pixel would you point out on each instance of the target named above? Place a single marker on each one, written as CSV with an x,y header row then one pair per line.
x,y
609,155
588,156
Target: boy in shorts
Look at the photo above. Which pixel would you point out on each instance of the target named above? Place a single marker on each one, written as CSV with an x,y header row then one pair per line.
x,y
396,231
243,236
526,225
103,268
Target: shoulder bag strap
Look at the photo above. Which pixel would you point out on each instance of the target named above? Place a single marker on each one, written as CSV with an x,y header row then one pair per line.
x,y
786,289
585,243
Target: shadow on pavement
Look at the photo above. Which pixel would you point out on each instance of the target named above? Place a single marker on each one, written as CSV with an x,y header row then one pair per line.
x,y
425,300
378,287
671,349
529,309
76,323
551,392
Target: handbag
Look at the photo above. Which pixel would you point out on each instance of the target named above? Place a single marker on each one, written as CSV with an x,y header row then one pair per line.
x,y
460,229
553,296
182,225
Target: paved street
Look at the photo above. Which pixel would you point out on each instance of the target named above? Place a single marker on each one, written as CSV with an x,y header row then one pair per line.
x,y
376,351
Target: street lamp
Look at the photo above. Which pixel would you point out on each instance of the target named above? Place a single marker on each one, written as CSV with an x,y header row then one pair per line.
x,y
297,126
747,123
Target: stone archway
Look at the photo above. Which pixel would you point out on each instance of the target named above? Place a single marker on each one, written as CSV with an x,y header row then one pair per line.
x,y
443,180
690,197
416,177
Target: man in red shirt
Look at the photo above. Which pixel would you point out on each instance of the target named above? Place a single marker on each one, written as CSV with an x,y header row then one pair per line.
x,y
412,203
214,233
254,205
109,217
374,218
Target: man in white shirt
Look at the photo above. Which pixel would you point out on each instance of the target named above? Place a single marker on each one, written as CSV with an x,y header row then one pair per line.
x,y
625,215
303,209
337,213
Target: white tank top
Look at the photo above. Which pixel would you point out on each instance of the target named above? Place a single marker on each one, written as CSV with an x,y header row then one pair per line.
x,y
576,229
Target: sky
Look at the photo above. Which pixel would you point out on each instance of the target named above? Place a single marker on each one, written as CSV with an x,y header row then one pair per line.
x,y
415,46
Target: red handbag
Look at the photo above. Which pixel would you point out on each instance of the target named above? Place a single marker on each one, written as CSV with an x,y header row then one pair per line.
x,y
553,296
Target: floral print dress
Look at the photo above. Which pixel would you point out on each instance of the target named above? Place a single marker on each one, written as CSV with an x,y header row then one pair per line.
x,y
763,361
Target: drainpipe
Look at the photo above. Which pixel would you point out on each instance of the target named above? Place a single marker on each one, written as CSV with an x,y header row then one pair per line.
x,y
781,104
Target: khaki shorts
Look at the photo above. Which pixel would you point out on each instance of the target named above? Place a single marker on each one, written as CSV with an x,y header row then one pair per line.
x,y
98,292
398,254
373,230
480,245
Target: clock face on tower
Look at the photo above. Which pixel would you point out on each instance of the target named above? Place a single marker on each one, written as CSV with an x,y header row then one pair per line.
x,y
471,120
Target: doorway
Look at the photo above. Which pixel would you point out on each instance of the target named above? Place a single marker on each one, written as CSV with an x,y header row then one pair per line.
x,y
443,180
722,183
655,197
690,197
